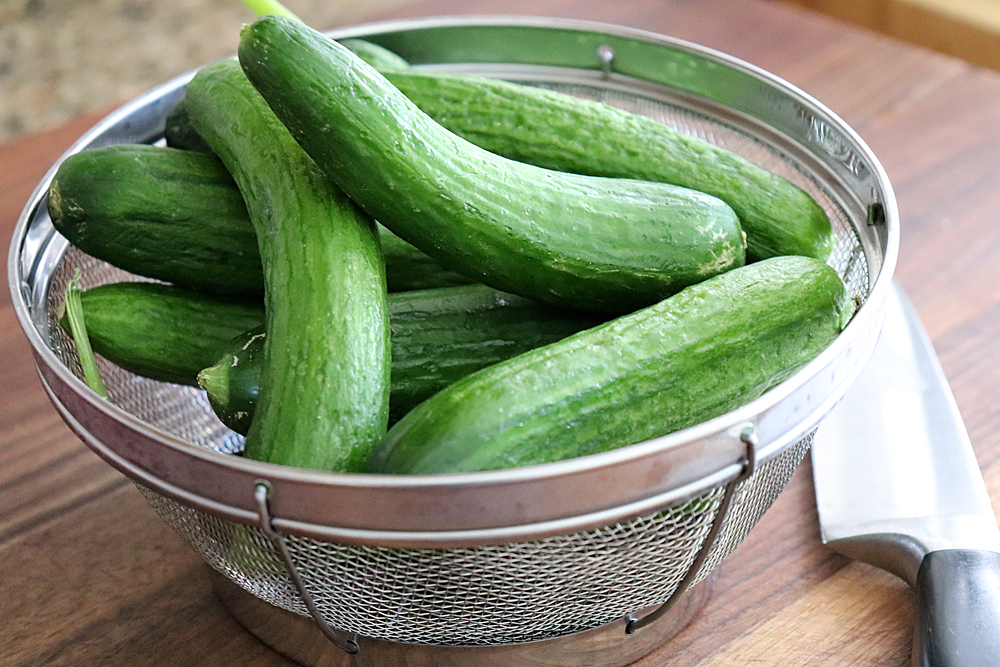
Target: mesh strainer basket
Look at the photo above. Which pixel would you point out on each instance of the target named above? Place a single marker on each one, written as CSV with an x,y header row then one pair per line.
x,y
567,563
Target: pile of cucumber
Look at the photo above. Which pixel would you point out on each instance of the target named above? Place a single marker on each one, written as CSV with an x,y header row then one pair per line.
x,y
374,269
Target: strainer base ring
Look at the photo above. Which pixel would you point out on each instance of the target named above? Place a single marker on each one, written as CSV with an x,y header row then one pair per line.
x,y
298,638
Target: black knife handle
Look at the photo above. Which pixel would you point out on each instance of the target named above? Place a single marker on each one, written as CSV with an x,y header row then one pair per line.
x,y
958,609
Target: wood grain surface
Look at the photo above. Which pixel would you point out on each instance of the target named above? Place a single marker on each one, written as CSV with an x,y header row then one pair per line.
x,y
968,29
90,576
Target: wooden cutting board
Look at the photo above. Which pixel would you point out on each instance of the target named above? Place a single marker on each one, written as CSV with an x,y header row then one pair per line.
x,y
90,576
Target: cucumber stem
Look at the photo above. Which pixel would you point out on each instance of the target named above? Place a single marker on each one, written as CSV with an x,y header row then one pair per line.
x,y
263,7
78,329
215,380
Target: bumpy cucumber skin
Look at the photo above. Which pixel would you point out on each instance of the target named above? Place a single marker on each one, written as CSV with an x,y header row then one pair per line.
x,y
142,209
567,239
558,131
438,337
324,394
163,332
696,355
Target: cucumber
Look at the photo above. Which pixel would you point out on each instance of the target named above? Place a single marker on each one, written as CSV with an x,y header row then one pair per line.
x,y
581,241
696,355
324,393
558,131
438,337
178,216
163,332
162,213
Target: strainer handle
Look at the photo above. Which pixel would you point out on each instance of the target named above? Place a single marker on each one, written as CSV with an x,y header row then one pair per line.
x,y
749,438
262,491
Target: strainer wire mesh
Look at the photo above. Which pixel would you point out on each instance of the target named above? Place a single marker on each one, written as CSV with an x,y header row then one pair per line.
x,y
490,594
503,594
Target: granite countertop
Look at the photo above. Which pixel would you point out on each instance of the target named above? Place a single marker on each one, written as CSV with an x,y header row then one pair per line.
x,y
64,58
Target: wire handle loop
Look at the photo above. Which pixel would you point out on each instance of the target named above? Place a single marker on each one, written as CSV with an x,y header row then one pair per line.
x,y
262,491
748,438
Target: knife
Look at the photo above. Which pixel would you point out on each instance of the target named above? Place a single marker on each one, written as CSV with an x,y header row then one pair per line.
x,y
898,487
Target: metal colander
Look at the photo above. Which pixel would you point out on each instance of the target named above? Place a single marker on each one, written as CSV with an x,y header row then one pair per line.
x,y
508,557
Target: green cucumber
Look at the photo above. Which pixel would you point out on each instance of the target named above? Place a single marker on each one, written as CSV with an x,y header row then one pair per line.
x,y
324,393
177,216
438,337
158,212
163,332
559,131
581,241
696,355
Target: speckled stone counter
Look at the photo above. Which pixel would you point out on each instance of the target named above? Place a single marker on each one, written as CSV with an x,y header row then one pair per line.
x,y
63,58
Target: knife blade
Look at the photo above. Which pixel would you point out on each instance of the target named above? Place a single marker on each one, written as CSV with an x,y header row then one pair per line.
x,y
898,486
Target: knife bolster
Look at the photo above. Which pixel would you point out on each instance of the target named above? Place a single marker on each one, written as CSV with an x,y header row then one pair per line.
x,y
893,552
